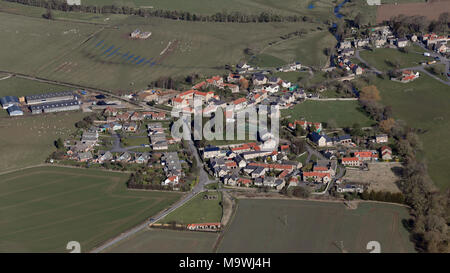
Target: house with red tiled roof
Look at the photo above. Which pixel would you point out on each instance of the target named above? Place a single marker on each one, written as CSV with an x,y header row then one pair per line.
x,y
351,161
244,182
386,153
240,103
366,155
316,177
179,102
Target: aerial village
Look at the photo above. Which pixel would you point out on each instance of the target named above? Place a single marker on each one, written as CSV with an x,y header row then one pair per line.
x,y
132,131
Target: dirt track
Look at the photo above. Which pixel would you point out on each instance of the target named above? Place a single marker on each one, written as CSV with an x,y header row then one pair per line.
x,y
430,10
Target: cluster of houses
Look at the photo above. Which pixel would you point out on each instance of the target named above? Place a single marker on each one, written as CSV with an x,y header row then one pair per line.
x,y
437,43
250,164
42,103
83,151
262,93
172,169
358,158
127,120
378,37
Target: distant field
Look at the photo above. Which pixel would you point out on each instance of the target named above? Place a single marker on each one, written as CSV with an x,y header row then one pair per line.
x,y
286,7
44,208
270,226
308,49
382,58
345,113
167,241
23,87
26,141
198,210
431,10
425,104
63,51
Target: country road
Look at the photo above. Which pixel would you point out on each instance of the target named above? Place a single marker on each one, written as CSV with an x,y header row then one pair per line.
x,y
203,180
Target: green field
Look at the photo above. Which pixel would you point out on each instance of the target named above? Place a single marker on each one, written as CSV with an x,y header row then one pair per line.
x,y
197,210
425,104
306,226
383,58
167,241
23,87
308,49
323,8
26,141
90,55
44,208
345,113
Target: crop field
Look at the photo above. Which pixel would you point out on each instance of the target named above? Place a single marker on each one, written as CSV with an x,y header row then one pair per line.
x,y
431,10
166,241
384,58
307,226
425,104
198,210
344,113
44,208
27,141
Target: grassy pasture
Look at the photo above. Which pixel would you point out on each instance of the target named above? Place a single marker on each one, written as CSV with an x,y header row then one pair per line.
x,y
28,44
323,8
23,87
308,49
382,57
197,210
66,54
166,241
26,141
44,208
345,113
307,226
425,104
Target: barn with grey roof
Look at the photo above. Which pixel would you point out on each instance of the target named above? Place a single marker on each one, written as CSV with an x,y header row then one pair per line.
x,y
9,101
50,97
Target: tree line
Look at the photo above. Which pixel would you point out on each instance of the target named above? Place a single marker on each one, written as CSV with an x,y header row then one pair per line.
x,y
233,17
429,207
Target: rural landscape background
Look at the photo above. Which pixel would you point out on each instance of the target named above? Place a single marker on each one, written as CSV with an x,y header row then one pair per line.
x,y
42,207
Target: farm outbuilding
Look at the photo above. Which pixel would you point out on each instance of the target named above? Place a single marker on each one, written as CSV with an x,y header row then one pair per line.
x,y
15,111
9,101
58,106
50,97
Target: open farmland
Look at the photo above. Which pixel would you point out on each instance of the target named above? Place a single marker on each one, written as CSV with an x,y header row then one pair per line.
x,y
44,208
308,226
15,86
198,210
30,43
308,49
385,59
27,141
345,113
166,241
431,10
321,8
105,57
424,104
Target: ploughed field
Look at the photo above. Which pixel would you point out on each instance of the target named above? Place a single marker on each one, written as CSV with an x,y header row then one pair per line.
x,y
44,208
